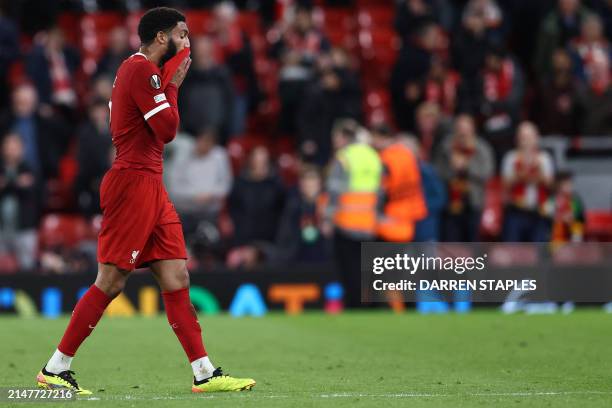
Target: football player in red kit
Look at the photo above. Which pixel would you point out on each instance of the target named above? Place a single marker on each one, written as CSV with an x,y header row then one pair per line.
x,y
140,226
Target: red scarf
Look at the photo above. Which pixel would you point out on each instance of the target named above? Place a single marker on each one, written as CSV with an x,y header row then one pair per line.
x,y
564,226
458,185
309,43
60,79
444,92
519,189
497,85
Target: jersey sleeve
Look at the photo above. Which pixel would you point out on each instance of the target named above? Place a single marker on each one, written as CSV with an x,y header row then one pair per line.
x,y
146,90
158,107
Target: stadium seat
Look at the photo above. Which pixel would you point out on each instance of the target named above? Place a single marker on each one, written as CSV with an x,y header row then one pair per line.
x,y
225,224
341,38
377,106
199,21
376,17
379,49
8,264
67,21
132,21
339,18
376,3
598,226
250,23
60,196
288,168
62,230
94,30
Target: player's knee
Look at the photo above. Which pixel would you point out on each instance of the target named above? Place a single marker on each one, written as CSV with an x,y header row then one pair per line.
x,y
112,288
183,278
111,281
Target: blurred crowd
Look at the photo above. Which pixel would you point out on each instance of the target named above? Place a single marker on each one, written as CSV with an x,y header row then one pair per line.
x,y
272,103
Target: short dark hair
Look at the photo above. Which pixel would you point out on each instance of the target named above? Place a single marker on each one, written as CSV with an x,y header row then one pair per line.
x,y
382,129
156,20
564,175
346,127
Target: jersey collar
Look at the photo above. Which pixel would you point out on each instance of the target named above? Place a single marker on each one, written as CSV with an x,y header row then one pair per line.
x,y
140,53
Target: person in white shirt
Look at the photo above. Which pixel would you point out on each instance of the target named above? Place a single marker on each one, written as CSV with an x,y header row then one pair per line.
x,y
527,174
199,180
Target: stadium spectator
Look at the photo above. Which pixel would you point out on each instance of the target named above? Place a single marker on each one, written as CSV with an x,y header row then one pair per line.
x,y
101,88
296,45
256,200
491,15
300,237
44,139
335,94
469,47
527,175
199,181
9,53
465,163
431,129
568,211
411,68
604,10
441,87
413,14
118,50
556,30
207,99
427,229
501,96
235,51
51,65
19,205
590,43
94,157
558,100
596,98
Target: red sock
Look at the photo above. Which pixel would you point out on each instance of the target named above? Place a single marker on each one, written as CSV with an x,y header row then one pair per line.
x,y
85,316
183,320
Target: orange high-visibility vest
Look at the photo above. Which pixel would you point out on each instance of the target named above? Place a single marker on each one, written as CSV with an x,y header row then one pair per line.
x,y
356,208
405,202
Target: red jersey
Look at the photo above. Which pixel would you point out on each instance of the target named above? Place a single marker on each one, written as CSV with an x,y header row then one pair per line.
x,y
143,116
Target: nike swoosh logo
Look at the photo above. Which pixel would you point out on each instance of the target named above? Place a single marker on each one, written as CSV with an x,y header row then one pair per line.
x,y
92,327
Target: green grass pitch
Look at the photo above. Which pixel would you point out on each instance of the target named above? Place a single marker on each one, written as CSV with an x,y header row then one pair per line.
x,y
370,359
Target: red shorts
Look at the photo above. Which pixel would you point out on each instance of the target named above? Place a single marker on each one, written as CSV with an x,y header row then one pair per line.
x,y
139,222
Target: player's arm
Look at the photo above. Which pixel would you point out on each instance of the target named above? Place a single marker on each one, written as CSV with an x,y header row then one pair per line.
x,y
158,107
164,122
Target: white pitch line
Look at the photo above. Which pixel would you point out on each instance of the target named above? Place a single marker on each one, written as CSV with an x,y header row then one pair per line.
x,y
255,394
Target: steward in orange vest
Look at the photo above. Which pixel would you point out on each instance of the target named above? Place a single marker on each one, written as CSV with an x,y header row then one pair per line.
x,y
404,202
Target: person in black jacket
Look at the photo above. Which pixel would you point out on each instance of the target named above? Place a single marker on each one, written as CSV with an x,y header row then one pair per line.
x,y
94,157
333,95
413,64
51,66
237,54
44,138
207,96
118,50
300,237
256,200
19,206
